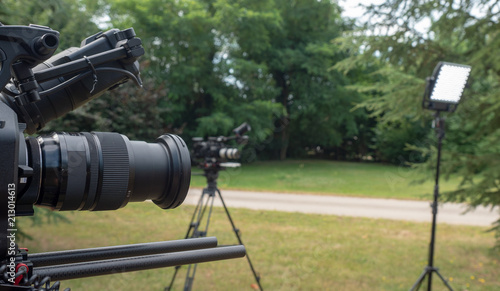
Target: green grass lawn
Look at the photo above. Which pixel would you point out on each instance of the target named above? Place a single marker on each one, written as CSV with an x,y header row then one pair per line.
x,y
291,251
329,178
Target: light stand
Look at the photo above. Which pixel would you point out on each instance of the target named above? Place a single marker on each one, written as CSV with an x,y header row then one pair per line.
x,y
429,269
442,93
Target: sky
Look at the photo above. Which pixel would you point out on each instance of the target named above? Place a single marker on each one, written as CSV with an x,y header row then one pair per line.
x,y
352,9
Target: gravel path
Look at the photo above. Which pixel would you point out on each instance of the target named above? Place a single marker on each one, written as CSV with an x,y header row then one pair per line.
x,y
419,211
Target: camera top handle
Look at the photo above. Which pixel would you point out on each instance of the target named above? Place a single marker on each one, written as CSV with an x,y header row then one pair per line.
x,y
103,61
129,48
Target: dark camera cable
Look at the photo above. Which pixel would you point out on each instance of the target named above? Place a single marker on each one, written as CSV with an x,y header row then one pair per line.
x,y
79,77
94,73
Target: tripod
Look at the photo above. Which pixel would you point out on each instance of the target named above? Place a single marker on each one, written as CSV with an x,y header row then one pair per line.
x,y
206,201
429,269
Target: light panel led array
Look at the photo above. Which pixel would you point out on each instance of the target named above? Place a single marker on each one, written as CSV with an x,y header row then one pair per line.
x,y
450,81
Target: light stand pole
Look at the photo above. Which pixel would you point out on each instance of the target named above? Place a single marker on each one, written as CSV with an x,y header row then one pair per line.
x,y
443,93
429,269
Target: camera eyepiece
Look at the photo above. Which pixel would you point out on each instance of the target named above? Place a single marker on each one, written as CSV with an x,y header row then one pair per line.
x,y
46,44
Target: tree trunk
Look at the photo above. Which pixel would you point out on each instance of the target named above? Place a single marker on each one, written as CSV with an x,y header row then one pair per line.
x,y
281,81
285,137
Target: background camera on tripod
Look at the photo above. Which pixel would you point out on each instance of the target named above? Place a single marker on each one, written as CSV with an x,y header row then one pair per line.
x,y
212,156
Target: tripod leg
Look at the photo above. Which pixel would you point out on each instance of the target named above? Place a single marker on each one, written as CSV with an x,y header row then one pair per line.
x,y
173,279
192,231
420,279
188,284
236,232
444,280
198,213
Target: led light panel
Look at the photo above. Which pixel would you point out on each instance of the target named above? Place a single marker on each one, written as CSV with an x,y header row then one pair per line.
x,y
450,83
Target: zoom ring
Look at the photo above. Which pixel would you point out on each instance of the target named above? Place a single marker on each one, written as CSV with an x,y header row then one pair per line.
x,y
112,191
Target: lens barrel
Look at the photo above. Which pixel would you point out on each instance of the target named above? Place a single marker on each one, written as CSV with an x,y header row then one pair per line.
x,y
229,153
104,171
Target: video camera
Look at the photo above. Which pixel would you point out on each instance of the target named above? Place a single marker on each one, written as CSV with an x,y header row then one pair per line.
x,y
80,171
213,152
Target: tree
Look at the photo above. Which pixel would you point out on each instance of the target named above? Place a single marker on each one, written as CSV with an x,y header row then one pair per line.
x,y
185,56
72,18
407,50
224,62
292,41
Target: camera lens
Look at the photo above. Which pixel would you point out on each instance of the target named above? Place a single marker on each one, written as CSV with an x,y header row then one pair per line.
x,y
229,153
105,171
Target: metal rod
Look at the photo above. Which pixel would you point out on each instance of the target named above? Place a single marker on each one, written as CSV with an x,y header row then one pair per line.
x,y
114,252
107,267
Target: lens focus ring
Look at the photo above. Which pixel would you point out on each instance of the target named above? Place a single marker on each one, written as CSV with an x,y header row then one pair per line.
x,y
113,187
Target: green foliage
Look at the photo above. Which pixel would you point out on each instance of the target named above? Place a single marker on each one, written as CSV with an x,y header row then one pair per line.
x,y
136,112
211,65
406,52
318,105
72,18
205,92
219,63
392,140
